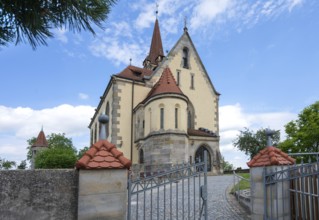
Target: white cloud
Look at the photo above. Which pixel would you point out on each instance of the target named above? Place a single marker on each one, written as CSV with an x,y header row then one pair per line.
x,y
207,11
83,96
60,34
17,125
234,118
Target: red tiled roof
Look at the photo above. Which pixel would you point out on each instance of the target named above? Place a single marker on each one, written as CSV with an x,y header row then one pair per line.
x,y
156,49
193,132
134,73
41,140
270,156
165,85
103,155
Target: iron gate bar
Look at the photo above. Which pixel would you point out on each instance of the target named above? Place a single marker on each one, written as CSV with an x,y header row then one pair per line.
x,y
160,180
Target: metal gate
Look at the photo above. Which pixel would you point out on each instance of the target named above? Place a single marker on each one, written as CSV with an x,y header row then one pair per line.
x,y
292,193
179,192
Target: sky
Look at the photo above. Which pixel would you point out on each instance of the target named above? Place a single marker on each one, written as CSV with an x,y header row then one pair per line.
x,y
262,56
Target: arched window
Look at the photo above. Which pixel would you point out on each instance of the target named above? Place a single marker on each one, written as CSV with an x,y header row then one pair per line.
x,y
199,157
185,58
162,118
177,112
141,156
107,112
190,116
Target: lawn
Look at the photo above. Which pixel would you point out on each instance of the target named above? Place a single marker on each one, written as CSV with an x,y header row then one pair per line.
x,y
242,184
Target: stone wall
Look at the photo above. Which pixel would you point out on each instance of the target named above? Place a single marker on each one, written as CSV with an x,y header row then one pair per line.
x,y
38,194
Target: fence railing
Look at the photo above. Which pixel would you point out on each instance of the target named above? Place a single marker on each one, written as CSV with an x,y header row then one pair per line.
x,y
241,190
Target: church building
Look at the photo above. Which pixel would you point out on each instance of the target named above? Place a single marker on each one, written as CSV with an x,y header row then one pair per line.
x,y
165,112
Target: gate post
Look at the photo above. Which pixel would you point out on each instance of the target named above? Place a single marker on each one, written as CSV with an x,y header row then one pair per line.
x,y
269,189
102,181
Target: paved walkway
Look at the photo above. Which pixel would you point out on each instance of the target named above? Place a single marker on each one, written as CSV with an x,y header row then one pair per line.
x,y
221,204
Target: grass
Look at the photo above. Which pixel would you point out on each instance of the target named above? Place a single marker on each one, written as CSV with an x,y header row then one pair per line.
x,y
242,184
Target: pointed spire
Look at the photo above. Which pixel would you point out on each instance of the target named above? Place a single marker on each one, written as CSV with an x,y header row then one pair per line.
x,y
41,140
156,53
185,24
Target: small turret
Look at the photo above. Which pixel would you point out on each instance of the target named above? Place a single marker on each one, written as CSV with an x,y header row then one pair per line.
x,y
40,144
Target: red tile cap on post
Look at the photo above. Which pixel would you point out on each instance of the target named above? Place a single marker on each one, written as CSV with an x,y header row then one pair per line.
x,y
271,156
103,155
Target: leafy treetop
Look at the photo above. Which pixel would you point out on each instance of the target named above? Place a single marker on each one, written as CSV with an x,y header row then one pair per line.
x,y
22,20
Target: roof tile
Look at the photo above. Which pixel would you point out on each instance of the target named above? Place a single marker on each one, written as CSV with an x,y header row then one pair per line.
x,y
156,48
103,155
41,141
165,85
134,73
270,156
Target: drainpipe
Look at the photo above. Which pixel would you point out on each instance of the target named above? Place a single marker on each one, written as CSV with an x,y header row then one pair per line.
x,y
132,121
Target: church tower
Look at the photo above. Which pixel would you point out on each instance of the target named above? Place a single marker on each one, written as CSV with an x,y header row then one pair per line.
x,y
165,112
41,143
156,53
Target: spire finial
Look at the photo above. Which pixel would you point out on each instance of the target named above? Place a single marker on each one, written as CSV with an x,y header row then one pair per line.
x,y
156,10
185,23
130,61
42,128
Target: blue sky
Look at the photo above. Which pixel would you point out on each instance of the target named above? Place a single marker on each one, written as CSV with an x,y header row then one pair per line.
x,y
262,56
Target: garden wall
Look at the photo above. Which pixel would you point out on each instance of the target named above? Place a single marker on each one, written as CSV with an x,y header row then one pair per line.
x,y
38,194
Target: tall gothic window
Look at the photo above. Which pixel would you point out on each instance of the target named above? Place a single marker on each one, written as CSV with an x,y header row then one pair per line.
x,y
176,118
162,119
185,58
178,77
192,81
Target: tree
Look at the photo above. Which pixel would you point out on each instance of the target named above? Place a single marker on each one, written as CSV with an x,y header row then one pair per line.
x,y
56,157
54,140
303,133
6,164
60,152
227,166
251,143
22,20
82,151
22,165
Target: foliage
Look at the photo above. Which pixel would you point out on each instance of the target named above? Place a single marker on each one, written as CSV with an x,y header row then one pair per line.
x,y
82,151
22,20
60,152
22,165
56,157
251,143
6,164
227,166
54,140
303,133
30,142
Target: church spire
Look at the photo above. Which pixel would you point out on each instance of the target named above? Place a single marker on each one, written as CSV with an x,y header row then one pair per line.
x,y
156,53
